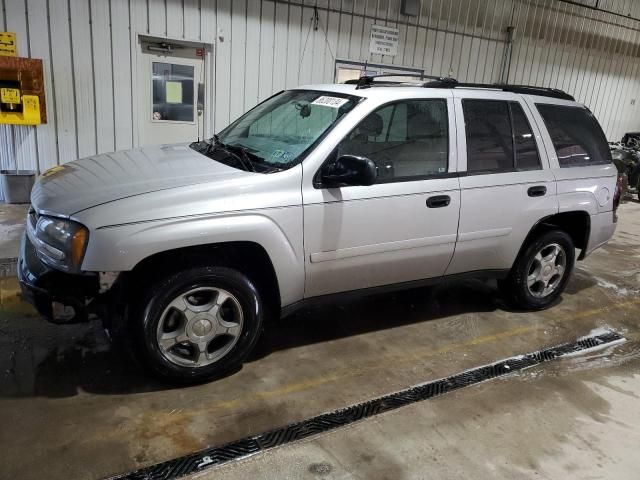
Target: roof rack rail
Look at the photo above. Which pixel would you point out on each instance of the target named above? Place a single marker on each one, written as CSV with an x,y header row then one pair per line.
x,y
367,81
523,89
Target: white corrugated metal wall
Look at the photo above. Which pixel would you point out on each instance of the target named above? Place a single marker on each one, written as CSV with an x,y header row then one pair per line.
x,y
262,46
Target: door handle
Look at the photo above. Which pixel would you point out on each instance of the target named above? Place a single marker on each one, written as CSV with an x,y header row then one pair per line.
x,y
537,191
438,201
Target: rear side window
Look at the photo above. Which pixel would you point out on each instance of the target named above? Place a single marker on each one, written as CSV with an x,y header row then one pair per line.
x,y
499,137
576,135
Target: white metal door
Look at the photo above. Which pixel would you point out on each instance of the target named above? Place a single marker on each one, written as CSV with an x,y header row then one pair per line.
x,y
170,95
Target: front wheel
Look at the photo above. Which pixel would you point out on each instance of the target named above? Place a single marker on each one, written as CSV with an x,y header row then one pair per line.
x,y
542,271
197,325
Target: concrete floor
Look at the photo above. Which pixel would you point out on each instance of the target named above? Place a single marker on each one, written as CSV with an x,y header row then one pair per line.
x,y
73,408
12,219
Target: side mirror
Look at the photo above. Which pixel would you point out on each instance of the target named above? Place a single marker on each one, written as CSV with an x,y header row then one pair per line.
x,y
349,170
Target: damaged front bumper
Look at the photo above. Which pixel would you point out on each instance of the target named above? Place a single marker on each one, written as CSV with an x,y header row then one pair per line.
x,y
60,297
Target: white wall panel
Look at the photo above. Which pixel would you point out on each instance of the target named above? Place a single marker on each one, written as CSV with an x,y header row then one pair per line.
x,y
294,42
280,47
258,47
223,63
103,76
191,18
83,78
39,42
267,36
252,62
208,29
122,94
139,24
157,16
175,20
238,57
64,100
305,63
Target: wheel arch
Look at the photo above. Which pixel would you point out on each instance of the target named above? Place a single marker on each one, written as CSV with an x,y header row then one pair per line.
x,y
248,257
273,239
576,223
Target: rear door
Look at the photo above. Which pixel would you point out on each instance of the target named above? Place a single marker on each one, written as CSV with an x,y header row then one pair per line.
x,y
506,184
403,227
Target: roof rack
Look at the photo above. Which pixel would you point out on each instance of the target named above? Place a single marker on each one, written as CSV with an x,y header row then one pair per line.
x,y
367,81
523,89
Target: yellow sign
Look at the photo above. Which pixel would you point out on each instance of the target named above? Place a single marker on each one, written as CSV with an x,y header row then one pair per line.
x,y
30,114
9,95
174,92
8,46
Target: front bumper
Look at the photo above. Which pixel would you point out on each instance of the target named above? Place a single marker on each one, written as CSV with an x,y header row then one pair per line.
x,y
60,297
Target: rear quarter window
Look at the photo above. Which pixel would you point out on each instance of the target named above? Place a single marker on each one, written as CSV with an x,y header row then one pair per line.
x,y
576,135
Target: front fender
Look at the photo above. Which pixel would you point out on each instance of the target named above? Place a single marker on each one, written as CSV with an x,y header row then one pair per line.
x,y
278,230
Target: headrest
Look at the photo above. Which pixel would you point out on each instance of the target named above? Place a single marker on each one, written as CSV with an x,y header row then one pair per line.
x,y
372,125
422,125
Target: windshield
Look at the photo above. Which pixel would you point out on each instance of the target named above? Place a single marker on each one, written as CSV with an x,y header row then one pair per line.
x,y
277,133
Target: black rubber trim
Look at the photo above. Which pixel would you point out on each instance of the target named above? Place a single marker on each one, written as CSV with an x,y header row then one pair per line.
x,y
339,297
214,456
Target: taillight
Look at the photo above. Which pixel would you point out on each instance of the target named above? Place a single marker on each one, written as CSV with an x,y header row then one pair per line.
x,y
617,196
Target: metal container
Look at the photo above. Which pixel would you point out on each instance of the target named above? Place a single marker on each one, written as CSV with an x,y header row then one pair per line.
x,y
17,185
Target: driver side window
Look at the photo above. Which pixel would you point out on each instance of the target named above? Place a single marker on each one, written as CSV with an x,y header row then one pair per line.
x,y
407,140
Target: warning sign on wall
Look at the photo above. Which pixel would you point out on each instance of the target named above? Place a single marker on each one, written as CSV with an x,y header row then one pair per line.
x,y
8,44
384,40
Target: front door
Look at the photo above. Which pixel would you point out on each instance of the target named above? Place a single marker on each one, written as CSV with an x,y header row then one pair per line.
x,y
170,93
403,227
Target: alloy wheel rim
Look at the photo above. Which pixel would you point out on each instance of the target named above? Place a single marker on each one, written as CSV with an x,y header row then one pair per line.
x,y
546,270
200,326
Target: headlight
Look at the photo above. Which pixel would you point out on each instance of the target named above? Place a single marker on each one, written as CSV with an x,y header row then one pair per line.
x,y
60,243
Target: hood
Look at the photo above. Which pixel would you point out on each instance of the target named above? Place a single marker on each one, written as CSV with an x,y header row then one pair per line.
x,y
88,182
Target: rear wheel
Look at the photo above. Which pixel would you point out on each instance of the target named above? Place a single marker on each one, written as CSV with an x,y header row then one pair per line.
x,y
541,272
197,325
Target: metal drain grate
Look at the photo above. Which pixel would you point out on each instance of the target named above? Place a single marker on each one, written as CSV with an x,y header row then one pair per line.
x,y
322,423
8,267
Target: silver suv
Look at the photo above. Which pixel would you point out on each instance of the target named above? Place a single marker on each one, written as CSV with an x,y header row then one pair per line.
x,y
316,192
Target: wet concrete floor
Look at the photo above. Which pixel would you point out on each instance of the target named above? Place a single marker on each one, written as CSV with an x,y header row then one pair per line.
x,y
71,407
12,218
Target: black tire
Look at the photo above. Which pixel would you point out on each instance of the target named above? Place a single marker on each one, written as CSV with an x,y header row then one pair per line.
x,y
515,286
148,312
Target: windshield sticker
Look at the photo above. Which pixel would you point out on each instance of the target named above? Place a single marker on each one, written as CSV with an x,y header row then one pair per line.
x,y
282,155
333,102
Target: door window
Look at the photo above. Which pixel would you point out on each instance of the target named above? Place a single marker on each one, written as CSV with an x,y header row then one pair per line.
x,y
407,140
489,140
173,89
576,135
499,137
